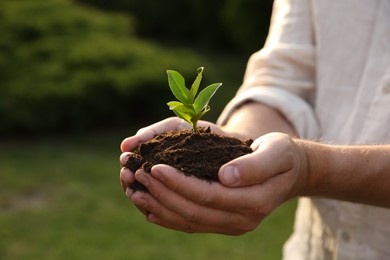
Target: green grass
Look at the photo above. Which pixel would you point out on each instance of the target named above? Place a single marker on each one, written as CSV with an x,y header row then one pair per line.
x,y
60,198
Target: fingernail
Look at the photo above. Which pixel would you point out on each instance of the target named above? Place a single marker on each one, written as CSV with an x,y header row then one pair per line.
x,y
123,158
231,175
129,192
153,218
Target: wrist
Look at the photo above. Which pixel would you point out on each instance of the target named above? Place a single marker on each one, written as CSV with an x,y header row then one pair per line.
x,y
316,161
350,173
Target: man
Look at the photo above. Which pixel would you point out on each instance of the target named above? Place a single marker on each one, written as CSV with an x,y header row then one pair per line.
x,y
323,74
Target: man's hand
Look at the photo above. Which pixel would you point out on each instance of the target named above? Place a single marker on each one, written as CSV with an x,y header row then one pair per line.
x,y
147,133
251,187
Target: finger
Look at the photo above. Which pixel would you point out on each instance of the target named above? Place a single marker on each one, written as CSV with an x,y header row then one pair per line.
x,y
147,133
124,157
131,195
170,124
184,207
126,178
191,228
213,195
169,210
163,126
130,143
159,215
272,155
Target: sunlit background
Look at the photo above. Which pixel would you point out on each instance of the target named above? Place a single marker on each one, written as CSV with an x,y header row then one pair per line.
x,y
76,77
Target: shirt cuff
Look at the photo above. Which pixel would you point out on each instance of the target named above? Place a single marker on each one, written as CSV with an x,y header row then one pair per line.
x,y
297,111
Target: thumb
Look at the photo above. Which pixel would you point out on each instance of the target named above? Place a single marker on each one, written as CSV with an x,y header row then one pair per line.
x,y
270,157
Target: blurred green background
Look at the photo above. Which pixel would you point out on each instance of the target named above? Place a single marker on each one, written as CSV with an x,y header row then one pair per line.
x,y
76,78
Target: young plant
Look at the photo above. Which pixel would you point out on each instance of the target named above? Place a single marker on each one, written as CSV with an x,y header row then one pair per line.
x,y
190,107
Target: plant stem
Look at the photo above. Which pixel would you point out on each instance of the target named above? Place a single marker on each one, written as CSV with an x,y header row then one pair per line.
x,y
195,126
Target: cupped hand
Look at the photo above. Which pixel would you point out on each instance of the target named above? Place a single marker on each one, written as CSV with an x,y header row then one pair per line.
x,y
251,187
147,133
166,125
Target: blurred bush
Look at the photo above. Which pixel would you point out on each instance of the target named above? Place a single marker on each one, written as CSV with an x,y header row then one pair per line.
x,y
233,25
75,65
65,67
247,22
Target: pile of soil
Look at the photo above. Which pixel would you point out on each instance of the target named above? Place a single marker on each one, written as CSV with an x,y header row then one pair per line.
x,y
199,154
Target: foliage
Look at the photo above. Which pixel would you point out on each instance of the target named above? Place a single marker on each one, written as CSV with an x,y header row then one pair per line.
x,y
69,67
232,25
77,65
179,22
188,107
248,22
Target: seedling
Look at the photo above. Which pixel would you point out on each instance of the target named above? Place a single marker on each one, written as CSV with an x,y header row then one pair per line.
x,y
190,107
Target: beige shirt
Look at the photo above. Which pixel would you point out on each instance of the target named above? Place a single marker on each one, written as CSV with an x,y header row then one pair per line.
x,y
326,67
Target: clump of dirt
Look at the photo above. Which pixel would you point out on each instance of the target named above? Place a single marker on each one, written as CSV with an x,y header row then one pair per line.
x,y
199,154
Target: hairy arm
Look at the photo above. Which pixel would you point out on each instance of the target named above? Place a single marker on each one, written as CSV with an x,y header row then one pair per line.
x,y
352,173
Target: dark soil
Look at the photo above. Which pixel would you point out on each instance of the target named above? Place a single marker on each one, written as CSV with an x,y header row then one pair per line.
x,y
198,154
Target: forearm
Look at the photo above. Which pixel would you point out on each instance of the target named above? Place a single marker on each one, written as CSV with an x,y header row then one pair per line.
x,y
351,173
253,119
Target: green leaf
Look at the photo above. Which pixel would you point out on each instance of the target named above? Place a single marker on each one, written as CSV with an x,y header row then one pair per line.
x,y
185,110
183,116
195,86
201,114
180,107
173,104
204,97
177,84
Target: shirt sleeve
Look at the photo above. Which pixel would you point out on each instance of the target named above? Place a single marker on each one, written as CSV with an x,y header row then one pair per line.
x,y
282,74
